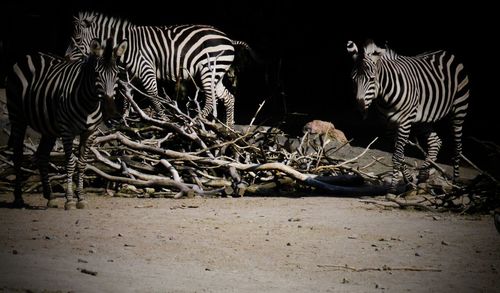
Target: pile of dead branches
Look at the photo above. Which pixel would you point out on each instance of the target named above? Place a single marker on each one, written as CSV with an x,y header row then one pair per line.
x,y
185,156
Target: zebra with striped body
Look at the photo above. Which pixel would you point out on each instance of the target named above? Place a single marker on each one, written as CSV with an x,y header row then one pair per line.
x,y
60,98
408,90
167,53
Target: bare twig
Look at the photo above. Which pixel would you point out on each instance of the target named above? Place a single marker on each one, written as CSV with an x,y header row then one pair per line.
x,y
382,268
347,161
478,169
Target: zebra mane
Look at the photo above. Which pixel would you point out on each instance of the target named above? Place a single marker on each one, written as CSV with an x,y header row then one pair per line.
x,y
390,54
189,25
386,52
108,51
88,17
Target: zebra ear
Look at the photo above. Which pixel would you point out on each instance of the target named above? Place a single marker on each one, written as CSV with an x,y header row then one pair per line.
x,y
121,48
352,49
376,54
96,48
379,51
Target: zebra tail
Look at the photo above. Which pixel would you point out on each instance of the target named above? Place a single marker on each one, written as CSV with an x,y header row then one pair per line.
x,y
241,43
248,48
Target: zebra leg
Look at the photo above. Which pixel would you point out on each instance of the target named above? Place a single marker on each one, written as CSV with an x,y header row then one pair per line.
x,y
433,145
148,77
398,158
212,93
228,99
124,91
16,140
209,103
457,138
70,168
208,107
43,152
160,110
210,84
86,140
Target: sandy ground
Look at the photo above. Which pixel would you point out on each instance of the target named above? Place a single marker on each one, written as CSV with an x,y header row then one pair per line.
x,y
244,244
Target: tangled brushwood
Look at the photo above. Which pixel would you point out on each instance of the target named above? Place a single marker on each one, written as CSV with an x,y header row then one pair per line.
x,y
184,156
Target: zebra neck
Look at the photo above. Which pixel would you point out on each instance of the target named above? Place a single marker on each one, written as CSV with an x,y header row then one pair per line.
x,y
86,94
118,28
387,82
390,54
394,87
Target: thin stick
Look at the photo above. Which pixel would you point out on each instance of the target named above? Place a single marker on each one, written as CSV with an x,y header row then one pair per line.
x,y
348,161
383,268
255,115
478,169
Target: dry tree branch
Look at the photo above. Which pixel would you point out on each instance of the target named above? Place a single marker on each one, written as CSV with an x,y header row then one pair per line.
x,y
171,169
382,268
154,181
347,161
407,204
192,136
255,115
478,169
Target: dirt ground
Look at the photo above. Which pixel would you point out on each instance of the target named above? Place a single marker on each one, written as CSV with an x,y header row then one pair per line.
x,y
248,244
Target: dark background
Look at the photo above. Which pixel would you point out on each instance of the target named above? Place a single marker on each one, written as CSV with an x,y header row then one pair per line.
x,y
304,72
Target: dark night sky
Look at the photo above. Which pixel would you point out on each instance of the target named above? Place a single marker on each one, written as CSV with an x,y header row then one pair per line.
x,y
303,45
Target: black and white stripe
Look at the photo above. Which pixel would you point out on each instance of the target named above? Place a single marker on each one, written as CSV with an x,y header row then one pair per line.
x,y
166,53
408,90
60,98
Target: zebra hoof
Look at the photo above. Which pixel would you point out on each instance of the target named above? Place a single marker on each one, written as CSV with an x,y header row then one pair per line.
x,y
82,204
398,189
51,203
422,179
18,203
409,180
70,205
496,217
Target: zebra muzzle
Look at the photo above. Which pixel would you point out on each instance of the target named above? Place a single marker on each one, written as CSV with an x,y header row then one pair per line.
x,y
362,108
109,107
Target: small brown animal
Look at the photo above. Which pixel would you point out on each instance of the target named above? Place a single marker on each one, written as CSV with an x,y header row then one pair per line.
x,y
324,127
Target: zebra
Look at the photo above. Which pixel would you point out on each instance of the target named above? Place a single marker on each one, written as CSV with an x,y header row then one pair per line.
x,y
419,89
166,53
60,98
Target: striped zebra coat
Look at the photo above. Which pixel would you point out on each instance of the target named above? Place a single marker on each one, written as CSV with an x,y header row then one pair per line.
x,y
60,98
418,89
166,53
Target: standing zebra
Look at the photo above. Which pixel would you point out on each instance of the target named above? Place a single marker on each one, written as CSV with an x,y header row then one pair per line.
x,y
166,53
60,98
419,89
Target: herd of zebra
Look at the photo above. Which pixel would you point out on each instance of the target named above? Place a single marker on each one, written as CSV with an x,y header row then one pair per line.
x,y
70,96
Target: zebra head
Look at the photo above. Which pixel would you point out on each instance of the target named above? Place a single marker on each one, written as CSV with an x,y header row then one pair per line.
x,y
365,72
108,70
83,35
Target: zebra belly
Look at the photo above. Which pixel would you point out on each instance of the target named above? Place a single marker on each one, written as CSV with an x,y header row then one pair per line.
x,y
76,125
438,112
40,115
